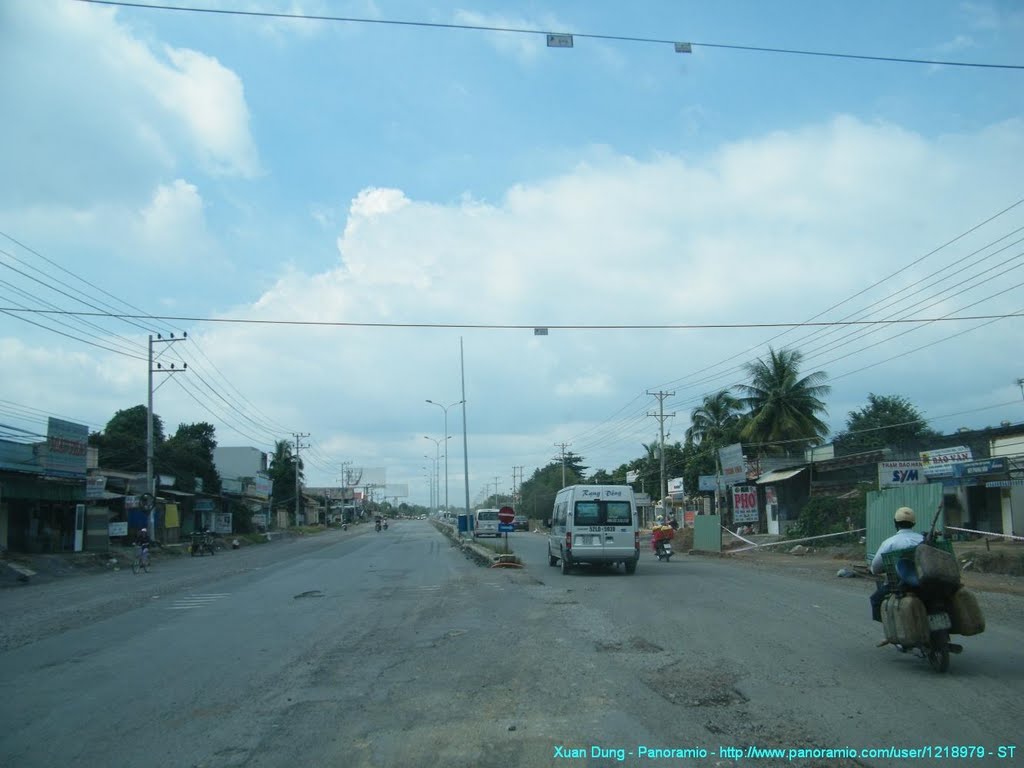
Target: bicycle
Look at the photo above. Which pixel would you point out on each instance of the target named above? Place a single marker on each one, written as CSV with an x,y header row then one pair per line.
x,y
141,561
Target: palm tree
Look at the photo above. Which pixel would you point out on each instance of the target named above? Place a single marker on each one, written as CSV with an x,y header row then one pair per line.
x,y
715,422
784,408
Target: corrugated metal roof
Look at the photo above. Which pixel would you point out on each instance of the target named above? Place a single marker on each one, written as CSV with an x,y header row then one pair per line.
x,y
779,475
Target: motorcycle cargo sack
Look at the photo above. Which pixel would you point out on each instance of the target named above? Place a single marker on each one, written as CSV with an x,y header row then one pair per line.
x,y
905,620
965,614
936,564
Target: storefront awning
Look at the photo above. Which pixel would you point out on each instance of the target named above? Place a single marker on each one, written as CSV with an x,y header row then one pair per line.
x,y
779,475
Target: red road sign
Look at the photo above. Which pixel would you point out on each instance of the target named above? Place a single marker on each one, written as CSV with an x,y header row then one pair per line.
x,y
506,515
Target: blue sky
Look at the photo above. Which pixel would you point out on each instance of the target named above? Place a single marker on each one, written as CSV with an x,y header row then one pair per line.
x,y
228,166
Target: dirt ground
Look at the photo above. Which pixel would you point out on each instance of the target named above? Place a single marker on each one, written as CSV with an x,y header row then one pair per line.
x,y
995,567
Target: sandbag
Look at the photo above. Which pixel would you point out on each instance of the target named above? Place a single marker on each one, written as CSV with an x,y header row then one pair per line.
x,y
936,566
905,620
965,614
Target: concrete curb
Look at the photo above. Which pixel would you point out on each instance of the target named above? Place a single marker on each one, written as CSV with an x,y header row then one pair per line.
x,y
470,549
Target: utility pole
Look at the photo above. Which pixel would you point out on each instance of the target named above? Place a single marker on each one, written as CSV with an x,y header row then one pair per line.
x,y
562,447
661,416
150,485
298,446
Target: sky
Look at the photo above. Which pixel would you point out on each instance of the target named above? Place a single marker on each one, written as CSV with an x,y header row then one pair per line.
x,y
350,218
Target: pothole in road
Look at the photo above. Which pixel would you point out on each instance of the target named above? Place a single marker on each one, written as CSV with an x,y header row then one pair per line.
x,y
634,645
309,593
695,687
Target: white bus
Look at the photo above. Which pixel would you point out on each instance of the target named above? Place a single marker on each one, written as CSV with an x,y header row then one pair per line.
x,y
485,523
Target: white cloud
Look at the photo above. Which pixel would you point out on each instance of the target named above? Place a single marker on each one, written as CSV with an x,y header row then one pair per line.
x,y
775,228
210,100
113,111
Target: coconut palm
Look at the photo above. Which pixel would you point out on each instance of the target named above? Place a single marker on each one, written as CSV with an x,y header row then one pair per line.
x,y
784,408
715,422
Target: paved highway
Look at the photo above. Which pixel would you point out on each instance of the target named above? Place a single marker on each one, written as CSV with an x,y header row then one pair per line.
x,y
394,649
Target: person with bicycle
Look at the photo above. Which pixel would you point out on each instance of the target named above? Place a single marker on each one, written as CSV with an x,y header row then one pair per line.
x,y
143,541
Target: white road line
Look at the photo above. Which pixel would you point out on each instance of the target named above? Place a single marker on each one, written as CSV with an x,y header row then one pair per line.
x,y
195,601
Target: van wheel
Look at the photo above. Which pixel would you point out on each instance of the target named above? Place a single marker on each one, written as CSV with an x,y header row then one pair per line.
x,y
552,560
566,566
630,566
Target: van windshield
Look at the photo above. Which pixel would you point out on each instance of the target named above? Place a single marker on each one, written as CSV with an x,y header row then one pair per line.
x,y
603,513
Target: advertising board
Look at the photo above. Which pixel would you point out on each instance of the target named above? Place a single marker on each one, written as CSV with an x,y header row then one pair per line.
x,y
744,504
895,474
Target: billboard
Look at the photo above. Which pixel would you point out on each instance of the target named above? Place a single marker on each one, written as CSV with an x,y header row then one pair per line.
x,y
895,474
707,483
940,463
66,449
744,504
734,469
396,490
676,488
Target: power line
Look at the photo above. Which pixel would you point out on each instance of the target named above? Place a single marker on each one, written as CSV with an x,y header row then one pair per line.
x,y
504,326
533,32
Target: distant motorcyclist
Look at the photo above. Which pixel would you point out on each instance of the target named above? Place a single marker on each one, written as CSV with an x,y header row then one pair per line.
x,y
142,541
904,538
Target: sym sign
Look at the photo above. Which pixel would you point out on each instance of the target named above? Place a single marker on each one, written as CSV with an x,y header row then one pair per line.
x,y
895,474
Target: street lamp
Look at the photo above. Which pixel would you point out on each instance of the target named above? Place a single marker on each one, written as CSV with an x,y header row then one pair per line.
x,y
437,463
445,409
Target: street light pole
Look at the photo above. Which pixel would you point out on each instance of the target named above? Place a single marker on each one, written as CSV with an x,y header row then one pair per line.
x,y
445,409
437,464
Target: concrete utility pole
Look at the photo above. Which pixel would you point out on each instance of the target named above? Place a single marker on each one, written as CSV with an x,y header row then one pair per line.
x,y
298,446
561,447
661,416
465,441
150,485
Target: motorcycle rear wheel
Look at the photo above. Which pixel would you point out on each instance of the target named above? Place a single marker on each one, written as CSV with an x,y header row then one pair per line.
x,y
938,652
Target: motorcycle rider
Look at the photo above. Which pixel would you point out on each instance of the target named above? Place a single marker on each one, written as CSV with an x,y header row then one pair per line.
x,y
904,538
142,541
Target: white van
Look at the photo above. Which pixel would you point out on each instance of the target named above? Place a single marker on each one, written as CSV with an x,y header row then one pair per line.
x,y
594,524
485,523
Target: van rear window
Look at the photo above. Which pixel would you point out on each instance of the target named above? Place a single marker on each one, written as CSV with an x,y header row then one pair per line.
x,y
618,513
603,513
487,514
588,513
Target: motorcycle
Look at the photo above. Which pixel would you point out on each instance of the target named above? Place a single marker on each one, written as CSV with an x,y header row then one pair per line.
x,y
926,603
661,542
377,526
202,541
385,525
344,526
663,550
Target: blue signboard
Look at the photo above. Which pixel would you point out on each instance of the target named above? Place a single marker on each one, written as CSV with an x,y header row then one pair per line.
x,y
506,527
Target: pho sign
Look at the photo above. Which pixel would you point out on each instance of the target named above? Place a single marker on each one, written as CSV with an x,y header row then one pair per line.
x,y
744,504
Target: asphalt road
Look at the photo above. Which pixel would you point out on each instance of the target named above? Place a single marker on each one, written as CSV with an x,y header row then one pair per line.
x,y
393,649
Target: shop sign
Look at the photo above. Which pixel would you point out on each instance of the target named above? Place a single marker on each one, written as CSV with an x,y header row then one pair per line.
x,y
982,467
940,463
894,474
744,504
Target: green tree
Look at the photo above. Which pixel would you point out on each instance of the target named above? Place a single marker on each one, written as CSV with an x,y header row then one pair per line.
x,y
122,443
887,420
537,494
784,408
188,455
282,473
